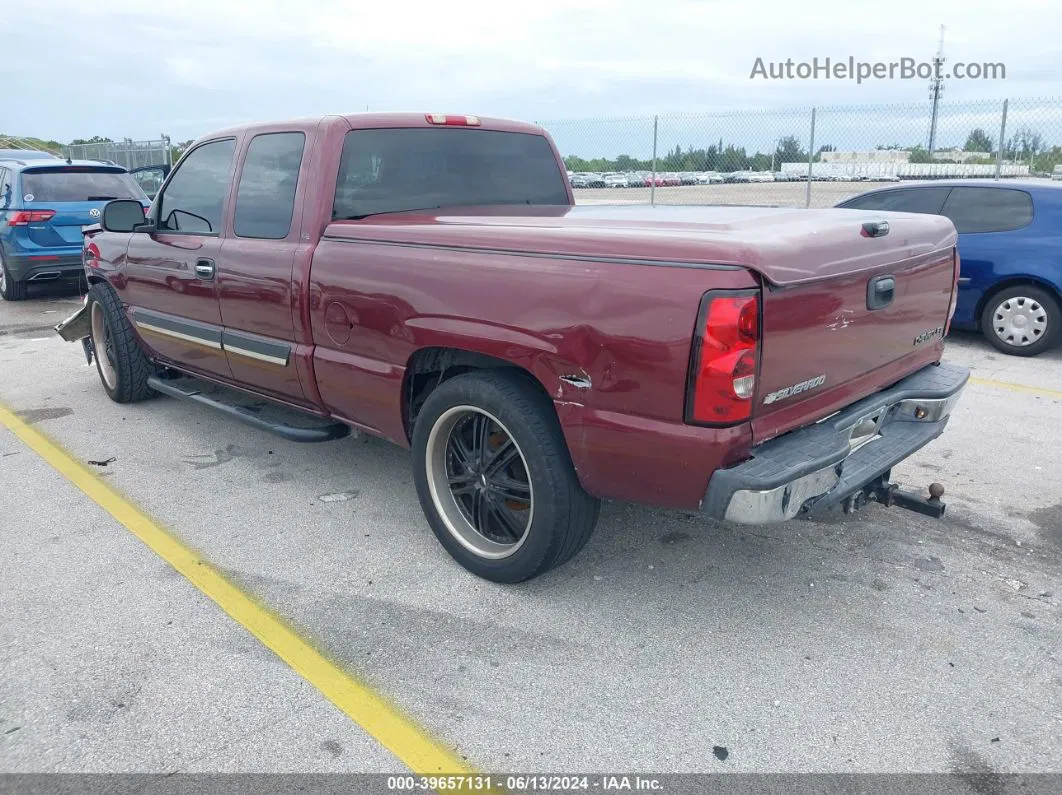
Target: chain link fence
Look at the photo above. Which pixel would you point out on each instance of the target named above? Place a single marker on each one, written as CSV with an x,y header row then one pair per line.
x,y
126,153
805,157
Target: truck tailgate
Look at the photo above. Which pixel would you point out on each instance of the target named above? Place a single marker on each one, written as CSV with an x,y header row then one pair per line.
x,y
831,341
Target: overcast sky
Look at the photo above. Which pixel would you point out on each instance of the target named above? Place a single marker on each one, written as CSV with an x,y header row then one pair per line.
x,y
184,67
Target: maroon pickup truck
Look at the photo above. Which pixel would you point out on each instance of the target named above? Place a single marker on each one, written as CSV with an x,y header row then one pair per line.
x,y
428,279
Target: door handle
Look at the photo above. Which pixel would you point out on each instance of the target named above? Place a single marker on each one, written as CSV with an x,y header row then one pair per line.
x,y
204,269
880,292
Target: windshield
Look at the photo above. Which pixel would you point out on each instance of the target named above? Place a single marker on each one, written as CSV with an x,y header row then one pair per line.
x,y
78,184
392,170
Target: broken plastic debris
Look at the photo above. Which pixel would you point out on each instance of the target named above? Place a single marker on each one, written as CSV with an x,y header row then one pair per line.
x,y
110,460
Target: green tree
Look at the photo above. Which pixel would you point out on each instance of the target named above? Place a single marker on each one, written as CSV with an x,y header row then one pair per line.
x,y
95,139
789,150
823,148
919,154
1046,161
628,163
978,141
1025,143
180,149
733,158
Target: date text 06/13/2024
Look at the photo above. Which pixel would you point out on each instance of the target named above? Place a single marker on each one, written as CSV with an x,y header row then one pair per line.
x,y
523,783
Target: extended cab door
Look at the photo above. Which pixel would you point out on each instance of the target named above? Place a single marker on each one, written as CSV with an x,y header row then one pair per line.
x,y
170,273
255,269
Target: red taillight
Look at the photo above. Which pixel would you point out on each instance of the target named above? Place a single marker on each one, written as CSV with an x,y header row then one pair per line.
x,y
23,217
451,121
726,355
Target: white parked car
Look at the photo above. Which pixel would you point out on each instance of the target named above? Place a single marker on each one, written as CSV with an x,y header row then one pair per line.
x,y
617,181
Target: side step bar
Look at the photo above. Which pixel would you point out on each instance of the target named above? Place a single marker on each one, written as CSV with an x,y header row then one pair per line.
x,y
290,424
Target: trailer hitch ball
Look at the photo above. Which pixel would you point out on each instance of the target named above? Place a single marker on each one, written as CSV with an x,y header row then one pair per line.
x,y
933,506
936,491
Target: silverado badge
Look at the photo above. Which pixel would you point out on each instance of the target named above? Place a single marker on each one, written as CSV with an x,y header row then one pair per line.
x,y
927,335
795,389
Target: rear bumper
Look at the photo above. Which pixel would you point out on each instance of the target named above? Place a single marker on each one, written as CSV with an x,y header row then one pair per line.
x,y
815,467
38,268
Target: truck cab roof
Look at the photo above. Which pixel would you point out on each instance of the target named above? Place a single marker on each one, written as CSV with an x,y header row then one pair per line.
x,y
383,120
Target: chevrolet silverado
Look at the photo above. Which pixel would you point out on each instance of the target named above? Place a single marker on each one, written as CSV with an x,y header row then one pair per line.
x,y
428,278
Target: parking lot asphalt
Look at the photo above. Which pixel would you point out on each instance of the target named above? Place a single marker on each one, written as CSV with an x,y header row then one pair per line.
x,y
881,642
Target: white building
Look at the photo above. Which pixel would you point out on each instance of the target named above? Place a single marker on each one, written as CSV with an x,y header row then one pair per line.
x,y
871,156
955,155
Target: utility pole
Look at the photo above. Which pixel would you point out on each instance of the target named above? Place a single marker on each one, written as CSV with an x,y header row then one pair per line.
x,y
936,90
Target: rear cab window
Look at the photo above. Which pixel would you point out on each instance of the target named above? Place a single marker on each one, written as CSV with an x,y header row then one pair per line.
x,y
77,184
988,209
265,198
397,170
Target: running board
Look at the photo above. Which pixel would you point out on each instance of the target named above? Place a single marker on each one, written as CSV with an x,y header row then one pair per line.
x,y
288,423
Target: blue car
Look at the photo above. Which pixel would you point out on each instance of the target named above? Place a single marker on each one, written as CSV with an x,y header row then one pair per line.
x,y
1010,246
44,202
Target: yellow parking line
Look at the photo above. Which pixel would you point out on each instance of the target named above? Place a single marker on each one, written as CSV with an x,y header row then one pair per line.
x,y
384,722
1031,390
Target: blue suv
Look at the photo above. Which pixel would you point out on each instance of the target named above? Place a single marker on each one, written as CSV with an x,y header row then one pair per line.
x,y
44,202
1010,247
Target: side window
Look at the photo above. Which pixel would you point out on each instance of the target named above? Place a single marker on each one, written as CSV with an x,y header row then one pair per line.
x,y
265,199
903,200
5,188
195,198
989,209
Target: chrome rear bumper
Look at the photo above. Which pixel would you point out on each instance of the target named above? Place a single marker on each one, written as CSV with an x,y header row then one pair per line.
x,y
821,465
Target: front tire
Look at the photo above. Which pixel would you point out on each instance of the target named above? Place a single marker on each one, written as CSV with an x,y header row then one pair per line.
x,y
1022,320
495,479
11,289
122,366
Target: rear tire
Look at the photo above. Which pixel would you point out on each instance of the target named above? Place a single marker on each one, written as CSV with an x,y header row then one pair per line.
x,y
1022,320
10,288
122,366
495,479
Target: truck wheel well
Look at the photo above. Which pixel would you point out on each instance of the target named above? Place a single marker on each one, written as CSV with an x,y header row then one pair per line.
x,y
999,287
429,367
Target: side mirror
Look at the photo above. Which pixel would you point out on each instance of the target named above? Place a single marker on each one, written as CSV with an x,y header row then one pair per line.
x,y
123,215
